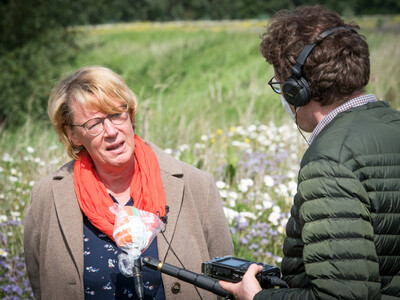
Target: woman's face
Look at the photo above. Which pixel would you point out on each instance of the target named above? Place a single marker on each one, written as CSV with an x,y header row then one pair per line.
x,y
111,149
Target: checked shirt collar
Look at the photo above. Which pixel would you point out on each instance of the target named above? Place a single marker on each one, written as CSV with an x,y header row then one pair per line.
x,y
345,106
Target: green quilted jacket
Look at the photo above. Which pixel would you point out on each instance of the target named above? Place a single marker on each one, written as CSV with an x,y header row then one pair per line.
x,y
343,236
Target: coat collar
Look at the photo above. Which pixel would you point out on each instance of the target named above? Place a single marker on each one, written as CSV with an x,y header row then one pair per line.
x,y
70,216
171,176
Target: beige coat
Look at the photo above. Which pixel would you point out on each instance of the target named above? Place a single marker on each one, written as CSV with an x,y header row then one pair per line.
x,y
53,242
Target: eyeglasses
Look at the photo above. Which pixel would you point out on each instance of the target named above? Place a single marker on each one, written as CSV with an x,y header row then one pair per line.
x,y
275,85
95,126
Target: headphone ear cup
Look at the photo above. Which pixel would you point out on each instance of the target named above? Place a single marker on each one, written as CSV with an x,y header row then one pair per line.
x,y
296,91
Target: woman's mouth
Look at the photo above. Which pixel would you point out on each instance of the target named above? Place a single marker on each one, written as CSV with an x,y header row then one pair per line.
x,y
114,147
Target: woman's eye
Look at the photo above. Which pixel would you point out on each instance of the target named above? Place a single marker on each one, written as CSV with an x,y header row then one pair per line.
x,y
93,124
115,116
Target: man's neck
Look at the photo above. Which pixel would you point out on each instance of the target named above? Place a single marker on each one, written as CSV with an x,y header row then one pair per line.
x,y
321,112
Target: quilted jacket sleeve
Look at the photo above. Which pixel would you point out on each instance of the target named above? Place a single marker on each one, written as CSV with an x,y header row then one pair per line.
x,y
338,257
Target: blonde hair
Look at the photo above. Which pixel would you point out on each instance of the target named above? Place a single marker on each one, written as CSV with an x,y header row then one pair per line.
x,y
95,87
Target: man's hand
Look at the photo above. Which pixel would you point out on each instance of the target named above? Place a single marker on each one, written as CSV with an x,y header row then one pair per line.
x,y
248,287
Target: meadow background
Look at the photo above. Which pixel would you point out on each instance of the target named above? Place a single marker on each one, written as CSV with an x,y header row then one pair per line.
x,y
204,98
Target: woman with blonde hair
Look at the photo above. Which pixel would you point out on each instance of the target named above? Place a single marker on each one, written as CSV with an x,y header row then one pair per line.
x,y
69,246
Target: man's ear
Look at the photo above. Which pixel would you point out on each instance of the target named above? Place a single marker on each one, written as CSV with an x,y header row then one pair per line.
x,y
72,135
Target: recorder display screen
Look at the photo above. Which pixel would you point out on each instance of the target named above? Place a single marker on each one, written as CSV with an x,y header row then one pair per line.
x,y
232,262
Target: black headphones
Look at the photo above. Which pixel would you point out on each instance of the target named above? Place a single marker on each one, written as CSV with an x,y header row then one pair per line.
x,y
296,89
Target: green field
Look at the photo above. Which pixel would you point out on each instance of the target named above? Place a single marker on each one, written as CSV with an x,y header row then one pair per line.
x,y
196,77
203,94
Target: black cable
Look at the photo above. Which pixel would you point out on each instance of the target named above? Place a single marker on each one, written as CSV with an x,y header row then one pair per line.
x,y
198,280
173,252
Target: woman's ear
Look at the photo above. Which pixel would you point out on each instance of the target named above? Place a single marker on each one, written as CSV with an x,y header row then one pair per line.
x,y
72,135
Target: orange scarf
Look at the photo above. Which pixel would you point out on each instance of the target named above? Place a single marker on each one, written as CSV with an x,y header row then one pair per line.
x,y
146,188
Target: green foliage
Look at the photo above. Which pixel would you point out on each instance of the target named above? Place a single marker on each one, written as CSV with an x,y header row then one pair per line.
x,y
33,50
28,74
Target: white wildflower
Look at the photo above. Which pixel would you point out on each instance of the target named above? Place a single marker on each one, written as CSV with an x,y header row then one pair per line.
x,y
247,214
233,195
268,203
241,144
243,187
168,151
268,180
258,207
230,214
252,128
13,178
204,138
184,147
292,186
3,253
7,157
199,146
282,190
274,217
220,184
29,149
15,214
223,193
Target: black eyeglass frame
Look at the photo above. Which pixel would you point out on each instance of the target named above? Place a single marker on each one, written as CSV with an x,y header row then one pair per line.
x,y
101,120
271,83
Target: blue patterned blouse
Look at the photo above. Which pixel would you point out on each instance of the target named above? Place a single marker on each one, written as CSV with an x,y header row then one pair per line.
x,y
102,278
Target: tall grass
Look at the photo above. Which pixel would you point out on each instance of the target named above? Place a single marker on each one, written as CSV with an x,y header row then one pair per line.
x,y
194,78
188,79
203,98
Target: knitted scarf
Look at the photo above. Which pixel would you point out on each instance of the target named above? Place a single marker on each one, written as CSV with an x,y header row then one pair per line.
x,y
146,188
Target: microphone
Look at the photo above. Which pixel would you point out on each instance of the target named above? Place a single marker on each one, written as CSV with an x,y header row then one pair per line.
x,y
198,280
137,278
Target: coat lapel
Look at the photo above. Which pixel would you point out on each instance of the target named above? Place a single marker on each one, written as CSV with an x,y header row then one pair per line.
x,y
171,176
69,216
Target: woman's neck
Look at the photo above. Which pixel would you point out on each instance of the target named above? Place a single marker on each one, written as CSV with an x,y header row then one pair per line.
x,y
118,182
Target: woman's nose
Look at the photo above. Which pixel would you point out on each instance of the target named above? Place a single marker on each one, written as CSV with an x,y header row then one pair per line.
x,y
109,128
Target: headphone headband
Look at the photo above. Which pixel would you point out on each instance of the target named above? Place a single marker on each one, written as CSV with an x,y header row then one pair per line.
x,y
301,59
296,89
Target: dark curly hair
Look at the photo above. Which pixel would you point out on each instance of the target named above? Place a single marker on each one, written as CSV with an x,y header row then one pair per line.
x,y
335,69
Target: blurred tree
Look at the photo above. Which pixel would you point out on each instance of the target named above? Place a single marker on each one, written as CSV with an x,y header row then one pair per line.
x,y
33,48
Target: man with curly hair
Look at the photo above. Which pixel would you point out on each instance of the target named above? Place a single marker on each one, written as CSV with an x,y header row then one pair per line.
x,y
343,236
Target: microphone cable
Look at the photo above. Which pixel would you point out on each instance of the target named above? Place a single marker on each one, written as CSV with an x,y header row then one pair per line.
x,y
176,256
165,221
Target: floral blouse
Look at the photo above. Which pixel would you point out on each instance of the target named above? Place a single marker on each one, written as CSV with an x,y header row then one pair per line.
x,y
102,278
